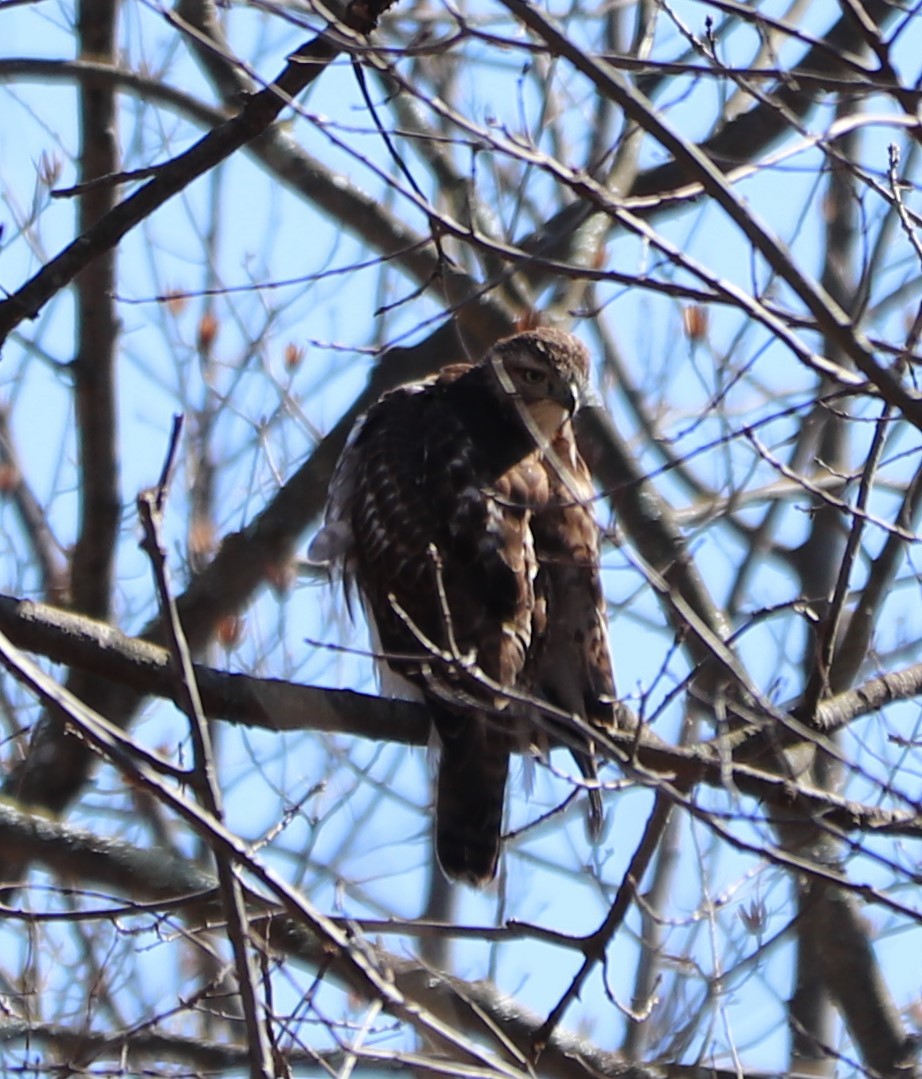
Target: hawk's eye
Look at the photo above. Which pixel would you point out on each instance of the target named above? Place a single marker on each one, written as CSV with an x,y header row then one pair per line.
x,y
532,376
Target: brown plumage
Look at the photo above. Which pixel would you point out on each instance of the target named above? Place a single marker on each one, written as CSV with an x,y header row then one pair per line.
x,y
460,508
571,665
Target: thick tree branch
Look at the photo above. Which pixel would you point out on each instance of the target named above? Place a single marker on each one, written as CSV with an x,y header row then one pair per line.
x,y
276,705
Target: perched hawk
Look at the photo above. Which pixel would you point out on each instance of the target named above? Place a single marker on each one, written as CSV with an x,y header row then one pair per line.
x,y
460,507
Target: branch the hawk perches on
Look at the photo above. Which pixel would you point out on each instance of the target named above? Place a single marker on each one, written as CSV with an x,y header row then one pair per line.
x,y
461,508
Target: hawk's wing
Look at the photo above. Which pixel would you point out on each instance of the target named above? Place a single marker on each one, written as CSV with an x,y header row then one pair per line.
x,y
446,565
571,664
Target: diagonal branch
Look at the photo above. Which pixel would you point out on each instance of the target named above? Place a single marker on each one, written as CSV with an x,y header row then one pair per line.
x,y
365,969
170,882
831,319
303,67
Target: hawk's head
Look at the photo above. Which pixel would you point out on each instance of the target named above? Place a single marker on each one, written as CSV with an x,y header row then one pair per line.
x,y
544,369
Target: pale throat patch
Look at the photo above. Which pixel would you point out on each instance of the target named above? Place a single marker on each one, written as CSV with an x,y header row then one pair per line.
x,y
548,416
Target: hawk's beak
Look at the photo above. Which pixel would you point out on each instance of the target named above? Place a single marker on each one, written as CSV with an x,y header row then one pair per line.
x,y
572,396
566,395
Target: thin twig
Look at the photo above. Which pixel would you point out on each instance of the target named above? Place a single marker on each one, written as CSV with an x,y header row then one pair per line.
x,y
151,507
596,944
819,684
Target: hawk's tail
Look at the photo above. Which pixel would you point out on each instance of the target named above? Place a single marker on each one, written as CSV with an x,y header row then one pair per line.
x,y
469,804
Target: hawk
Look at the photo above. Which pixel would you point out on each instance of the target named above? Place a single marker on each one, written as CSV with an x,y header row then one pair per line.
x,y
460,507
